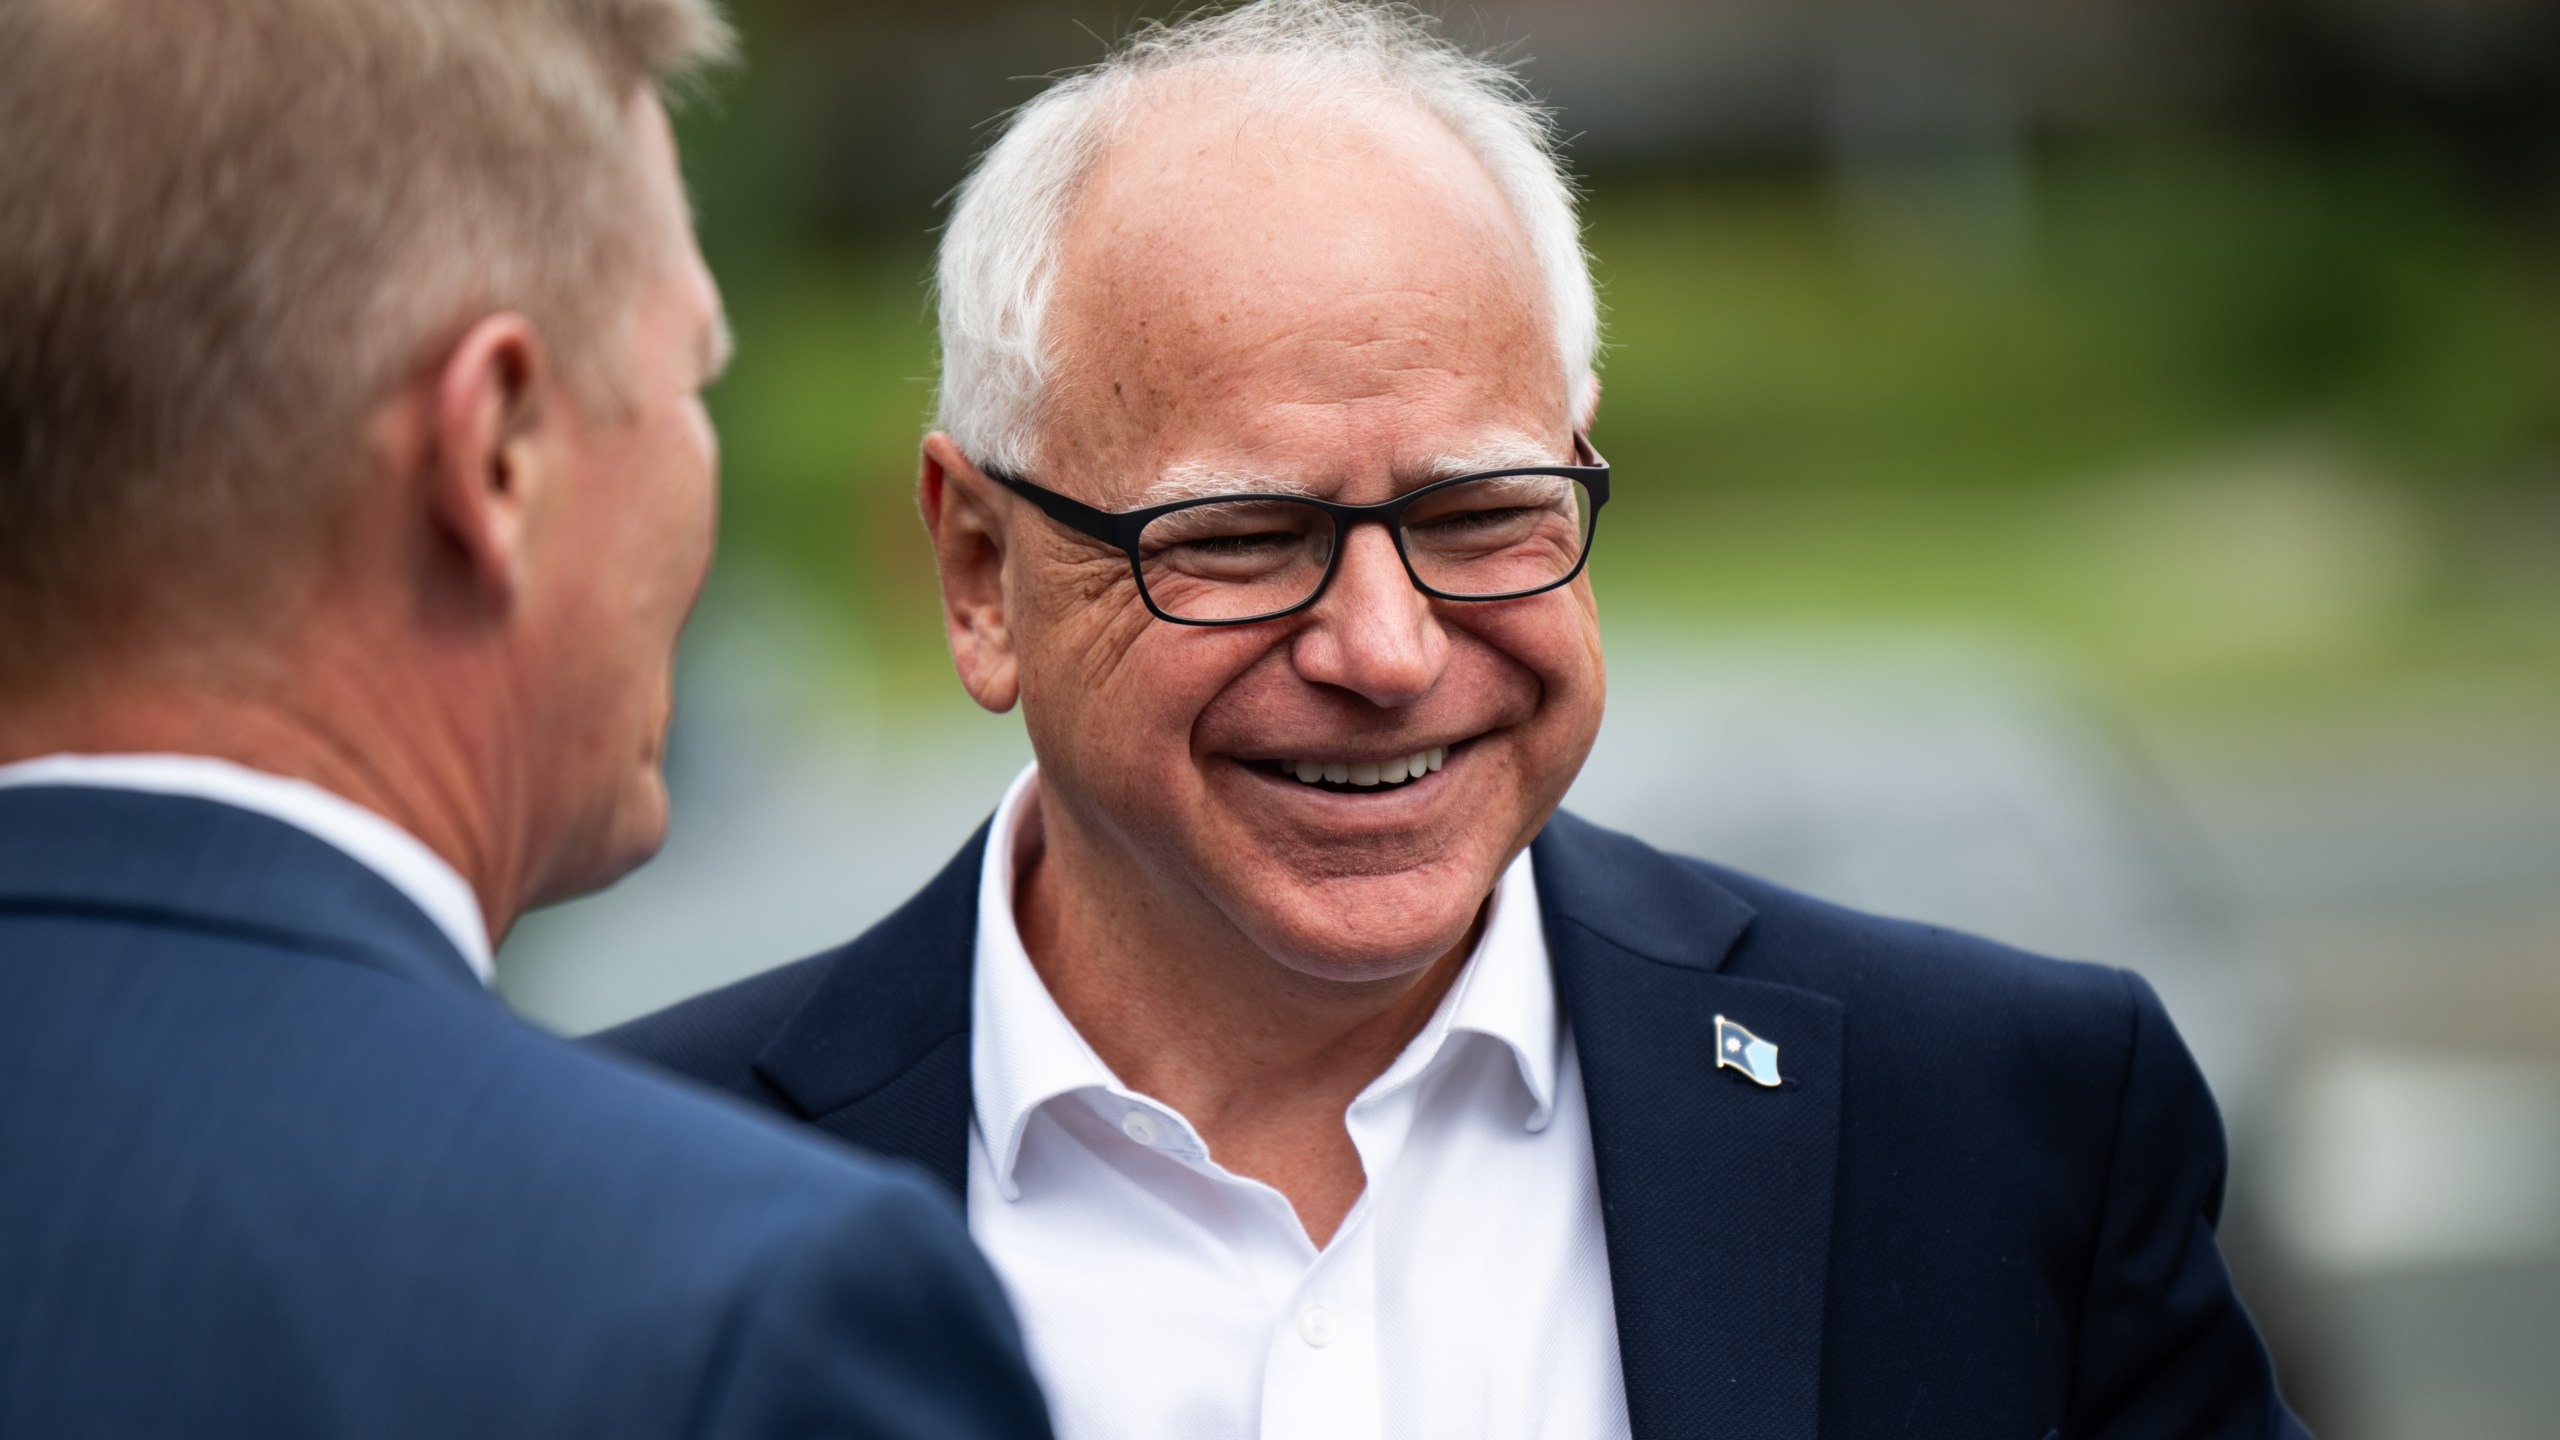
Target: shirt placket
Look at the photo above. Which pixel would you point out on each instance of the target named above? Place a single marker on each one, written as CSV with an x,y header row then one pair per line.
x,y
1320,1371
1322,1374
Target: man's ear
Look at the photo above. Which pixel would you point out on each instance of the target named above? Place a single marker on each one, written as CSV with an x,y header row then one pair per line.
x,y
1587,408
959,505
493,396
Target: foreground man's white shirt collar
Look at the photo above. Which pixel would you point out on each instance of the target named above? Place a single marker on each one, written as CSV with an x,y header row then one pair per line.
x,y
381,846
1465,1295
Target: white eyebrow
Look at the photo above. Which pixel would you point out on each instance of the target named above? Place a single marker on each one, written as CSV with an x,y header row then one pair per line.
x,y
1191,480
1505,454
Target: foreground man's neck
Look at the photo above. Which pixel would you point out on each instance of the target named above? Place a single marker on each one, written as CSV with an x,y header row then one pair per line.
x,y
361,763
1261,1059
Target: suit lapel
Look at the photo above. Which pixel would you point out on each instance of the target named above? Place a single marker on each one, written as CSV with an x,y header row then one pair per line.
x,y
878,1054
1715,1192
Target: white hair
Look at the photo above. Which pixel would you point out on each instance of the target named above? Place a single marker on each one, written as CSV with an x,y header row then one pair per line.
x,y
999,254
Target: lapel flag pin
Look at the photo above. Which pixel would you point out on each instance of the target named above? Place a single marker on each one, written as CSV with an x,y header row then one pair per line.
x,y
1745,1052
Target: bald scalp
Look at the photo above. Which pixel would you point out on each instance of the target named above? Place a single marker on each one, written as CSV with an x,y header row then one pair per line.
x,y
227,231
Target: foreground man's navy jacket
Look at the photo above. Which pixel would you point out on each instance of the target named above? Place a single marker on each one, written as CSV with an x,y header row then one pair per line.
x,y
1979,1207
274,1166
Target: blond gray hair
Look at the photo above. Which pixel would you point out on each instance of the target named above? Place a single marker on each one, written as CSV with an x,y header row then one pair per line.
x,y
999,253
228,228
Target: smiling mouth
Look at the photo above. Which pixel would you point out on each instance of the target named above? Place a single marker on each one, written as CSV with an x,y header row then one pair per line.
x,y
1364,777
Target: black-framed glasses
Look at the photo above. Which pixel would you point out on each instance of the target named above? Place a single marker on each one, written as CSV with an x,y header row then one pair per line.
x,y
1237,559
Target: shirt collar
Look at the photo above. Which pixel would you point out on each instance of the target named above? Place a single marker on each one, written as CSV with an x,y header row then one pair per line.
x,y
1025,1052
1506,993
399,857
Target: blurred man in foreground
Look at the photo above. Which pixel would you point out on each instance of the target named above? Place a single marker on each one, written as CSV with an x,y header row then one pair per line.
x,y
1307,1074
354,483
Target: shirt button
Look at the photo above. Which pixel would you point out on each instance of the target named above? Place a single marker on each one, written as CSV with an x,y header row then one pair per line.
x,y
1138,1125
1317,1326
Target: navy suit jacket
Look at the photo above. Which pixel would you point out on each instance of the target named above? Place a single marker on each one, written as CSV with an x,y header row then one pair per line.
x,y
1980,1205
274,1165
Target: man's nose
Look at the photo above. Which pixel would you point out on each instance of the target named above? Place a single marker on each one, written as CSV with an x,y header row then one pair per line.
x,y
1373,634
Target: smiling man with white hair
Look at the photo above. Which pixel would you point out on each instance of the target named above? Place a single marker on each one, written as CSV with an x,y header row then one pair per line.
x,y
1305,1072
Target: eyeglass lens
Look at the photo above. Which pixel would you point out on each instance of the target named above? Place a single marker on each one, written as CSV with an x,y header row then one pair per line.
x,y
1239,559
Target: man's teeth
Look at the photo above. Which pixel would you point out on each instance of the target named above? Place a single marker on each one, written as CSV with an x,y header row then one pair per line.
x,y
1369,772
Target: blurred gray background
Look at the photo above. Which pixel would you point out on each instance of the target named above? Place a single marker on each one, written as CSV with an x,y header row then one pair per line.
x,y
2088,474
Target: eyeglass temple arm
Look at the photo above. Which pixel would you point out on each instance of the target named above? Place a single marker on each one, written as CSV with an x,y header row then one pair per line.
x,y
1590,459
1065,509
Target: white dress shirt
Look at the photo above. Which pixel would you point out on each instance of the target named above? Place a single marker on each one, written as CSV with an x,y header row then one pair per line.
x,y
381,846
1465,1296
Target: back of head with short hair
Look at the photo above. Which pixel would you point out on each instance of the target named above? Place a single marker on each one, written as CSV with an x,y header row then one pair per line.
x,y
228,228
999,254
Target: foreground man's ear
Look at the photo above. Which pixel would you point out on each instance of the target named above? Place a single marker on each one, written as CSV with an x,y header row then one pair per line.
x,y
487,450
1587,408
958,503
